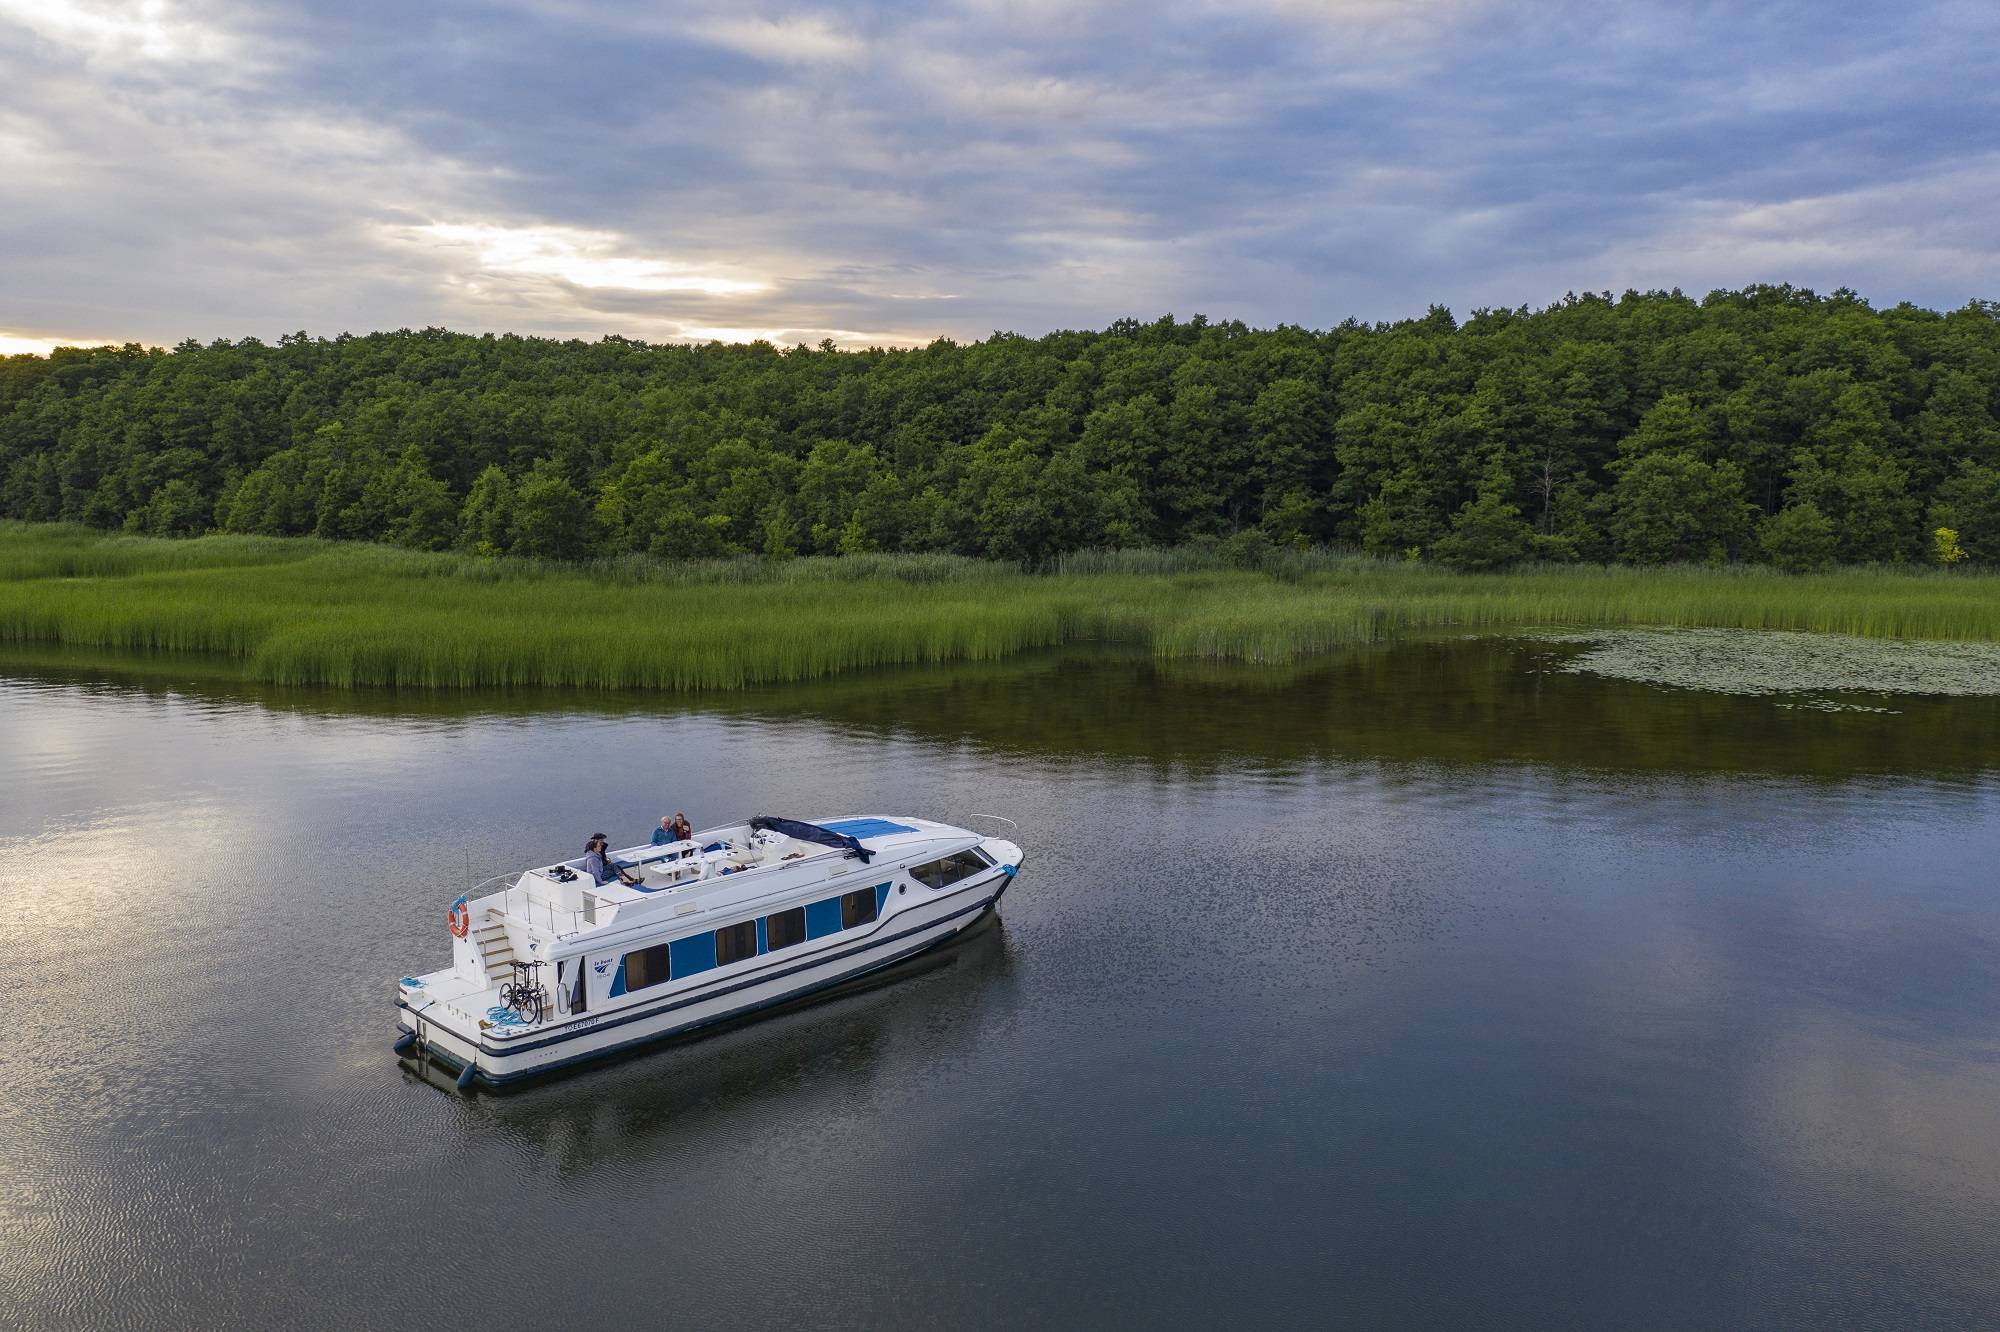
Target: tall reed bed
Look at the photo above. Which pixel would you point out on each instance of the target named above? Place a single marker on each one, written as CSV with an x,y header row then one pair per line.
x,y
307,612
31,550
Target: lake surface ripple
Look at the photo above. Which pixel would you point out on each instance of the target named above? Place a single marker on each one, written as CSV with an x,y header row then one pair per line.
x,y
1432,985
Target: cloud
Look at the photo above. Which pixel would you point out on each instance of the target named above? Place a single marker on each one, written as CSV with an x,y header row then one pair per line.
x,y
1929,227
890,173
14,344
570,254
117,36
800,39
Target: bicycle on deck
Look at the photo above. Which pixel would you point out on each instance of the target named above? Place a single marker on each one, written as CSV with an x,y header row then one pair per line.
x,y
525,994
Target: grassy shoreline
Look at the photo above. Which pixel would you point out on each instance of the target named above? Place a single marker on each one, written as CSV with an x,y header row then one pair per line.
x,y
300,611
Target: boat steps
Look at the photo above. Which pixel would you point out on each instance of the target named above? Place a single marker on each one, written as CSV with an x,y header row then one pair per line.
x,y
496,961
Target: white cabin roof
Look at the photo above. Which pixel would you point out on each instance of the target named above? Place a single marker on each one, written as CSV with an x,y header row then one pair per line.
x,y
686,881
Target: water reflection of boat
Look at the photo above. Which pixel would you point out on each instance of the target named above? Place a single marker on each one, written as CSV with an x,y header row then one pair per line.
x,y
774,1074
551,968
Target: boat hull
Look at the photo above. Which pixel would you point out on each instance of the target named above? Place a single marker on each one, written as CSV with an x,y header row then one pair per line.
x,y
502,1057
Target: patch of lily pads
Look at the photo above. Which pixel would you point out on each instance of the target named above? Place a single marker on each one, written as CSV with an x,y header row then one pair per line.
x,y
1750,661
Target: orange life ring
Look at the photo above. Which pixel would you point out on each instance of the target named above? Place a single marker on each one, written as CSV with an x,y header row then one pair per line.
x,y
458,920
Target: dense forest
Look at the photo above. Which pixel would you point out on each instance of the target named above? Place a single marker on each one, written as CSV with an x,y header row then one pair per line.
x,y
1764,424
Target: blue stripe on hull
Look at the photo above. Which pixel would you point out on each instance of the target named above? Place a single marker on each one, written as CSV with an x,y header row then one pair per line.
x,y
694,1030
718,987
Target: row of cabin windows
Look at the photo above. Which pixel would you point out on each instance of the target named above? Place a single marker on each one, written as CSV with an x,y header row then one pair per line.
x,y
746,939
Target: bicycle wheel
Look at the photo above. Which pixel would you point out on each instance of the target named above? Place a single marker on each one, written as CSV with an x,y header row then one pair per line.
x,y
508,994
531,1005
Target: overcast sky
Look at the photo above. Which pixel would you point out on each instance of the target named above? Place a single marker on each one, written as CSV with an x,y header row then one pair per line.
x,y
884,173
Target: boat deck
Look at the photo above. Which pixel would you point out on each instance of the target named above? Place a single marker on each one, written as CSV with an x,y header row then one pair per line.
x,y
713,867
541,913
465,1003
693,940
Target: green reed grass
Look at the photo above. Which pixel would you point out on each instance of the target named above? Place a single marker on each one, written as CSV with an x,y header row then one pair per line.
x,y
312,612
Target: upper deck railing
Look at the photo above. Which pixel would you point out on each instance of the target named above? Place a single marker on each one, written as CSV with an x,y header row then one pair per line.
x,y
559,919
535,912
996,818
595,910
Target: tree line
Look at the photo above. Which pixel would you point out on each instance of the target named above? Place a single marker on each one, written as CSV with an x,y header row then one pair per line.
x,y
1770,423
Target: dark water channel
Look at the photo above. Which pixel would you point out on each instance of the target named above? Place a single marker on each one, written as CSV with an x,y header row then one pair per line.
x,y
1419,988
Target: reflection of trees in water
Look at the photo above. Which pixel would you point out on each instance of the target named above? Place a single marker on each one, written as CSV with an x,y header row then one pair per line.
x,y
1433,700
1452,701
771,1070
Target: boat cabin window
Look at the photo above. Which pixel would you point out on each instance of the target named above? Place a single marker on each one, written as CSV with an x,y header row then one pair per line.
x,y
646,967
745,939
782,929
940,873
733,943
857,908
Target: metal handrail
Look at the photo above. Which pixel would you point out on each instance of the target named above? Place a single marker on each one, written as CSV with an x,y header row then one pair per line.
x,y
997,818
508,886
530,902
481,888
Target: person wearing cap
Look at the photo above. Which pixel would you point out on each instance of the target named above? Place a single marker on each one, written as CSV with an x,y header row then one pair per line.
x,y
597,861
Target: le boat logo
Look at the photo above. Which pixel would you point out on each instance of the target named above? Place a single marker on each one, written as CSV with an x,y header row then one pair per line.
x,y
603,964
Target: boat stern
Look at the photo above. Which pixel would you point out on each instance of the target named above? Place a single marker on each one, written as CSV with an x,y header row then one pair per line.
x,y
435,1023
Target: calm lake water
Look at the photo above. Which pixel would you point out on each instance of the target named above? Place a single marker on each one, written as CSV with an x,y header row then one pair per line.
x,y
1421,988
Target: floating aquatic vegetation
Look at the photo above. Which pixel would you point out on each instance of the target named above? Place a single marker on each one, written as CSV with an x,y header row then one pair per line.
x,y
1754,661
1828,705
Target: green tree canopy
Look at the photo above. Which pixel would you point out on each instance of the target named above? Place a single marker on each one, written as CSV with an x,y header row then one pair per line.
x,y
1798,539
1488,533
1634,427
1670,506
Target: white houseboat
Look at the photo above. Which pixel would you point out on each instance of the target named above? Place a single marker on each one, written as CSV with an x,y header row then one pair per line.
x,y
551,968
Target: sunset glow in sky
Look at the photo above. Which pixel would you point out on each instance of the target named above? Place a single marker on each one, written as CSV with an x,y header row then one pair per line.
x,y
885,173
